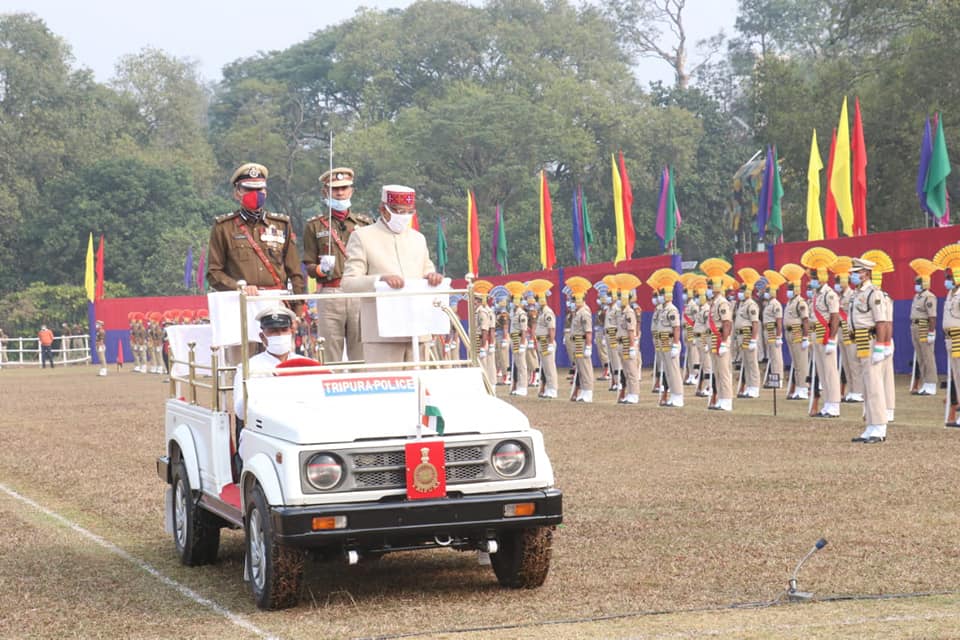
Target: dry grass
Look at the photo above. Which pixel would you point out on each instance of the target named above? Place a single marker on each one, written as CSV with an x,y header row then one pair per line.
x,y
665,510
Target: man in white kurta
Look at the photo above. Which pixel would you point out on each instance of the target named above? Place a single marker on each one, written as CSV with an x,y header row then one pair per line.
x,y
391,252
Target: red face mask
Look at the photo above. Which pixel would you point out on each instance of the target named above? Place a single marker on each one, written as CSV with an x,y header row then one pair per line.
x,y
253,200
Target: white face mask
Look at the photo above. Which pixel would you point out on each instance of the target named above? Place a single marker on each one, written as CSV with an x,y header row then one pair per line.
x,y
398,223
279,345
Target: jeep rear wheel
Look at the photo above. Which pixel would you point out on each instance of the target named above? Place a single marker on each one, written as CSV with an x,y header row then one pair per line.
x,y
276,571
195,533
523,559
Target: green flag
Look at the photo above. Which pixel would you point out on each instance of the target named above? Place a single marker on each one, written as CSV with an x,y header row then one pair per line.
x,y
775,221
502,254
441,247
587,229
936,185
670,221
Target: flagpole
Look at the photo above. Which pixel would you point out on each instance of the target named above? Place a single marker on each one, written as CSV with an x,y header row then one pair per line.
x,y
330,197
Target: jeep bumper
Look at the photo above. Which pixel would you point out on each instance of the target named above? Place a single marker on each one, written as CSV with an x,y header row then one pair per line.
x,y
414,523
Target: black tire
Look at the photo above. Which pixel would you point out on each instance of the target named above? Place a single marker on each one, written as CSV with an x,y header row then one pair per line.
x,y
523,559
196,533
276,571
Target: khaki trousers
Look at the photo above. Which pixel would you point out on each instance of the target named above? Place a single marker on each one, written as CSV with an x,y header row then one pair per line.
x,y
520,377
671,370
390,352
503,357
925,358
775,360
585,373
339,326
631,372
827,372
801,365
874,398
703,349
693,356
889,391
751,366
601,346
533,359
723,374
548,369
851,366
616,357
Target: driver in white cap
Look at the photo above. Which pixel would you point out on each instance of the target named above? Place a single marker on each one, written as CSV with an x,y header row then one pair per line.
x,y
276,334
388,251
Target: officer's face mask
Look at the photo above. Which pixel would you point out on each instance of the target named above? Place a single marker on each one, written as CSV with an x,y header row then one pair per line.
x,y
856,278
709,294
398,222
280,344
253,200
838,287
918,288
789,294
740,295
338,205
814,283
766,295
948,284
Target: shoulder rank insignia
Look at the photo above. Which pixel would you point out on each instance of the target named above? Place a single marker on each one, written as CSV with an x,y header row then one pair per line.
x,y
227,216
277,216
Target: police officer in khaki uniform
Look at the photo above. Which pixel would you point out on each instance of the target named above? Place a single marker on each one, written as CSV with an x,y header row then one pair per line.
x,y
252,244
796,323
101,343
325,239
691,306
720,328
533,354
772,315
825,310
611,325
746,326
546,336
662,281
849,362
701,337
948,259
485,335
872,332
884,264
604,302
581,332
628,337
923,329
499,297
518,338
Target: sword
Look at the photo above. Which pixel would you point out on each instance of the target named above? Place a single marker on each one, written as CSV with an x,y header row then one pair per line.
x,y
812,403
913,372
949,404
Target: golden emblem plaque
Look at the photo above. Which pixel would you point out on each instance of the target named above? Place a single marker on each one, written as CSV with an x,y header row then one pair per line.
x,y
425,476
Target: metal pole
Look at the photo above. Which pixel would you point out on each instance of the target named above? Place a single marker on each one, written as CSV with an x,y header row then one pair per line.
x,y
329,196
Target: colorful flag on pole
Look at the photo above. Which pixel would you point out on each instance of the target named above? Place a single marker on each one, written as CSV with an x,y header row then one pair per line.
x,y
936,184
840,178
89,283
441,247
548,257
830,208
815,165
673,214
202,274
473,235
926,152
430,416
587,229
188,269
98,272
629,235
661,228
775,220
577,222
766,187
500,253
858,149
618,212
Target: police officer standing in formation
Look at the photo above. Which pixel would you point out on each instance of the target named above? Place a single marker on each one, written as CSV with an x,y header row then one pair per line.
x,y
581,332
923,329
825,309
628,338
850,364
533,354
746,326
499,296
720,327
773,326
485,338
701,336
948,259
546,335
884,264
663,281
796,323
325,239
872,332
691,306
604,303
101,345
611,326
253,245
518,338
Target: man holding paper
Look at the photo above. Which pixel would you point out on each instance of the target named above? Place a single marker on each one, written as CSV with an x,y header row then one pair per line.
x,y
390,252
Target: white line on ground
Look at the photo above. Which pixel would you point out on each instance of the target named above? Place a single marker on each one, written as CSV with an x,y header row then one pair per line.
x,y
189,593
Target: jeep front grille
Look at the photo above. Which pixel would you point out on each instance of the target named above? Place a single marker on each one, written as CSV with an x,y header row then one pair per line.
x,y
386,469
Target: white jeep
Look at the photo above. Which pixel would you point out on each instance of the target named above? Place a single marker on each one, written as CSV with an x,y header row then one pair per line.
x,y
345,459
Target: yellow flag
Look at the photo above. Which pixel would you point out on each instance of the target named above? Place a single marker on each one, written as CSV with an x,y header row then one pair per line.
x,y
840,179
88,280
618,212
814,221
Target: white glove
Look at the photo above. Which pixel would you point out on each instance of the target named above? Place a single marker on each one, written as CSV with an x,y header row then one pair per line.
x,y
778,342
522,348
482,352
878,354
752,345
888,349
805,344
552,347
587,352
632,352
931,337
326,263
504,343
722,349
830,347
675,350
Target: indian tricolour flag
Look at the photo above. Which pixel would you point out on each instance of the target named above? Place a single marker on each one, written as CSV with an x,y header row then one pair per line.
x,y
430,416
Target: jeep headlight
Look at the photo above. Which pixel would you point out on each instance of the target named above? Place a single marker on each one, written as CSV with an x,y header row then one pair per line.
x,y
324,471
509,459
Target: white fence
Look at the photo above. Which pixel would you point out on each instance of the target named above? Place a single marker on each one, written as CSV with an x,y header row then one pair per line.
x,y
26,351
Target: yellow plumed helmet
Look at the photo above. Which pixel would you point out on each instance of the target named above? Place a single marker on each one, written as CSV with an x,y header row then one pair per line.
x,y
923,267
774,279
516,288
482,287
663,279
881,259
540,287
841,266
611,282
792,272
715,267
818,258
729,282
948,257
748,276
698,284
578,286
627,281
686,279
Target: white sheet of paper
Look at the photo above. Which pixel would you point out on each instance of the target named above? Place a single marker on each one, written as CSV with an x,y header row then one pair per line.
x,y
402,316
225,316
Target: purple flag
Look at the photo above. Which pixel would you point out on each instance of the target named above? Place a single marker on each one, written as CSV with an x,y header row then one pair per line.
x,y
926,151
662,206
763,206
577,231
495,243
201,275
188,269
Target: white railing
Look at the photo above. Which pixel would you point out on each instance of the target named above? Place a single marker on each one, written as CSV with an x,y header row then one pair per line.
x,y
25,352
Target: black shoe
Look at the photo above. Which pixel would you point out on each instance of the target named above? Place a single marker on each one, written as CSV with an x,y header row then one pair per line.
x,y
874,440
951,424
859,439
821,414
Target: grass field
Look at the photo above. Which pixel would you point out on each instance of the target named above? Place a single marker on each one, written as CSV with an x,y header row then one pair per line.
x,y
671,517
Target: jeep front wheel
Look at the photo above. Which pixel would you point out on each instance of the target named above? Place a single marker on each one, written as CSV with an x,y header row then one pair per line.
x,y
523,559
276,571
195,535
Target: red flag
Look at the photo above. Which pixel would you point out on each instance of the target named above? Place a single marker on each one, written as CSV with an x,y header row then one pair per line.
x,y
119,352
830,211
473,235
548,256
98,270
858,149
629,234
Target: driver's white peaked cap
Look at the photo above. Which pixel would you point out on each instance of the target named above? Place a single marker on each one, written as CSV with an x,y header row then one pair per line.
x,y
276,318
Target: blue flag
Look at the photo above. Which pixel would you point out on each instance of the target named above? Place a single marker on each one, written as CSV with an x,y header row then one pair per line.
x,y
926,151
